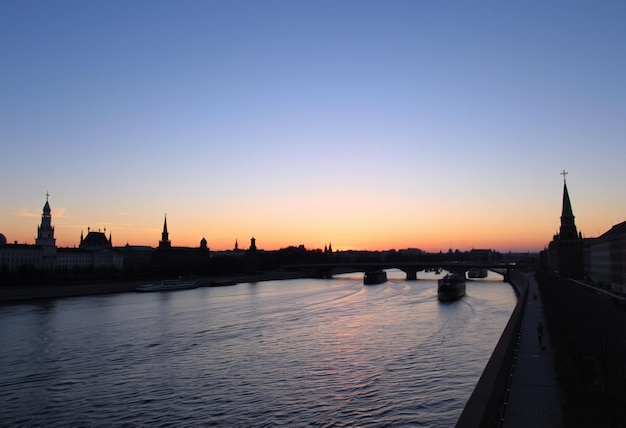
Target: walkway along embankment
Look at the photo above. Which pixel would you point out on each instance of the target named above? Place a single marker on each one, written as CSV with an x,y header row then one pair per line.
x,y
484,405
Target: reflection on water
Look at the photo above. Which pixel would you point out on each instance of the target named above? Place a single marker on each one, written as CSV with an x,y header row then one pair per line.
x,y
297,352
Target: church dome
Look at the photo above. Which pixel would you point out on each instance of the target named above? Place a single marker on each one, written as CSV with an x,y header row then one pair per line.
x,y
3,239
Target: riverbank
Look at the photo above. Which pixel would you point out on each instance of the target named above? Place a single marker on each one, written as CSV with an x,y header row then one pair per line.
x,y
484,405
22,294
518,387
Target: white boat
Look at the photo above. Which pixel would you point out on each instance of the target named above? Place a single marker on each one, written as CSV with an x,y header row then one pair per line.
x,y
169,285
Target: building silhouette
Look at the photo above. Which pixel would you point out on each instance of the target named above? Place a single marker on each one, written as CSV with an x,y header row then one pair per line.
x,y
94,253
170,260
605,258
95,240
165,236
565,251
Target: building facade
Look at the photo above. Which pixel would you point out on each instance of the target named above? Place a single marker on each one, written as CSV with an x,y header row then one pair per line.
x,y
606,258
95,251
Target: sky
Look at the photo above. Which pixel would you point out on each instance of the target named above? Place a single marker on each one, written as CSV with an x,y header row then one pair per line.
x,y
368,125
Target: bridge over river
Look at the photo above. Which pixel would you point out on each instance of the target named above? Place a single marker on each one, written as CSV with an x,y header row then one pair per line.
x,y
327,270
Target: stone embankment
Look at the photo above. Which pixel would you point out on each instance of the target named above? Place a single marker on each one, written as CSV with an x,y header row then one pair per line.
x,y
518,387
484,405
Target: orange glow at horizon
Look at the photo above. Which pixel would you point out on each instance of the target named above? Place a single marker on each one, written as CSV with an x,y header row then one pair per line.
x,y
346,228
433,239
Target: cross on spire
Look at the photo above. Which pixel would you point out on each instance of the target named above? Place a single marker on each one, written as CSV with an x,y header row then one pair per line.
x,y
564,173
47,195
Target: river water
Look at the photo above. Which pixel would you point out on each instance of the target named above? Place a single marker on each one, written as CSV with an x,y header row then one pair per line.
x,y
291,353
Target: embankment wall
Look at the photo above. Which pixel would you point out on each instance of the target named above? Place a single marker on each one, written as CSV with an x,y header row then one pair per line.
x,y
483,407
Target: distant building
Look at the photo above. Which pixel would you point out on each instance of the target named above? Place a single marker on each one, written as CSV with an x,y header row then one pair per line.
x,y
170,260
565,251
482,255
95,241
94,252
328,250
606,258
42,255
137,258
14,257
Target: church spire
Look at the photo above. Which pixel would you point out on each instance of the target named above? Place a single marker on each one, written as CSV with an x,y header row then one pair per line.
x,y
46,207
568,225
567,205
165,237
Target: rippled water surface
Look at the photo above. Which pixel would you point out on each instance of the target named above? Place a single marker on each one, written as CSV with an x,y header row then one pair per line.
x,y
292,353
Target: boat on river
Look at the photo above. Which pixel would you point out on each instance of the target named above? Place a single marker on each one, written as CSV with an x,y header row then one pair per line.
x,y
375,277
477,273
169,285
451,287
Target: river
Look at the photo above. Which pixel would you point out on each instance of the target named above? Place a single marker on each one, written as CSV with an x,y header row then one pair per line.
x,y
300,352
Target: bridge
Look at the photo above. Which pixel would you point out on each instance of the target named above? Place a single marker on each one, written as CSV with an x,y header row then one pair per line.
x,y
327,270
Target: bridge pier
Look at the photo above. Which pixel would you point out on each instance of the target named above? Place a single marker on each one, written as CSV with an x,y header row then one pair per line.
x,y
411,274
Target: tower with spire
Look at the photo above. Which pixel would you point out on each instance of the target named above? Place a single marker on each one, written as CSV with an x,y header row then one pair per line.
x,y
45,237
165,237
45,231
566,249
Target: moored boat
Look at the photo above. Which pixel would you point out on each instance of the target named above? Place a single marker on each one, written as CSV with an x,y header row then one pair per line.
x,y
375,277
222,283
451,287
477,273
169,285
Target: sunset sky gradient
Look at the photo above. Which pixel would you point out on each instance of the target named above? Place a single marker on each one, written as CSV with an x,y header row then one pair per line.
x,y
365,124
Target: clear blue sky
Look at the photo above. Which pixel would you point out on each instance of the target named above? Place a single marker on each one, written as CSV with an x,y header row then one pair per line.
x,y
368,124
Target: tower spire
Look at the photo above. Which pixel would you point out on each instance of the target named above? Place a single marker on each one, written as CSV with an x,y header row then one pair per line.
x,y
565,251
45,231
165,237
568,225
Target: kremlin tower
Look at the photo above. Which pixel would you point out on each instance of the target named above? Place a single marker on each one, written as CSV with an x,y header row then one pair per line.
x,y
565,252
